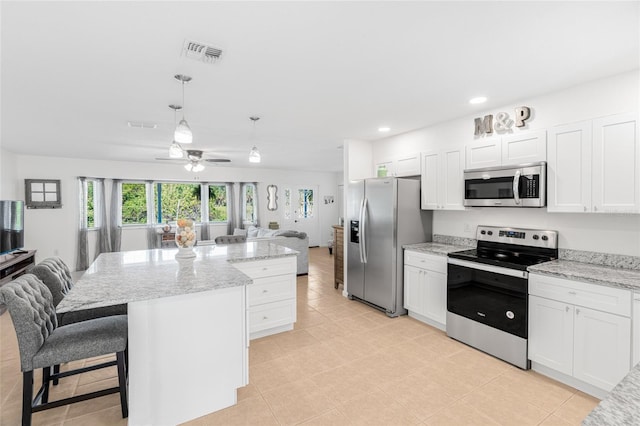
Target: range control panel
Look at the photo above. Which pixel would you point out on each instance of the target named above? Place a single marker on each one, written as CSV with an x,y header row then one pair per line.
x,y
523,237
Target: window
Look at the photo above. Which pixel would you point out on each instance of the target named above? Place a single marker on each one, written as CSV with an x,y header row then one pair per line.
x,y
218,203
248,203
305,203
91,202
177,200
134,203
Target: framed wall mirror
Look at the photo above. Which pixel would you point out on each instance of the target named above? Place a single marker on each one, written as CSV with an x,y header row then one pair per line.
x,y
272,197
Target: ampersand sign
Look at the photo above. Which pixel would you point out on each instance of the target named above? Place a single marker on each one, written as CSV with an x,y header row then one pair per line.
x,y
503,122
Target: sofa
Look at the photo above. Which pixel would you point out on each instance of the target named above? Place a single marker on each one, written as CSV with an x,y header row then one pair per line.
x,y
295,240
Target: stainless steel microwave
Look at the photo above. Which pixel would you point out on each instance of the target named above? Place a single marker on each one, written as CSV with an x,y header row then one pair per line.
x,y
512,186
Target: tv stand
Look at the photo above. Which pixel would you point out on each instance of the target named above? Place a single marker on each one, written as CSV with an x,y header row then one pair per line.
x,y
13,265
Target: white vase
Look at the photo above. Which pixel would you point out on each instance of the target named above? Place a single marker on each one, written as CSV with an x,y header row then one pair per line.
x,y
185,253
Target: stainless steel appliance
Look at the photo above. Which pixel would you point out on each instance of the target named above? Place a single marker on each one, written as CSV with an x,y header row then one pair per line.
x,y
514,186
383,214
487,290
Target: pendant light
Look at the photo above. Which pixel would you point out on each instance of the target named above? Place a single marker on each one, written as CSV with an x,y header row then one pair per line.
x,y
183,132
254,154
194,166
175,150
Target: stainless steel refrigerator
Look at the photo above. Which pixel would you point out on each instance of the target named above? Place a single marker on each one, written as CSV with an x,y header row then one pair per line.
x,y
383,214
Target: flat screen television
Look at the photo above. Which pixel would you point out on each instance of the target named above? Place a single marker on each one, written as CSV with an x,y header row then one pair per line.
x,y
11,226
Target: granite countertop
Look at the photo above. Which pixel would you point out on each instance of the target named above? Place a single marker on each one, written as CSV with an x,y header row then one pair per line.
x,y
122,277
589,272
440,249
621,406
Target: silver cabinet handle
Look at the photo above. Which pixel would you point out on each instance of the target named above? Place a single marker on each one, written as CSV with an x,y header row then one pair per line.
x,y
577,311
595,208
585,208
566,309
264,318
573,293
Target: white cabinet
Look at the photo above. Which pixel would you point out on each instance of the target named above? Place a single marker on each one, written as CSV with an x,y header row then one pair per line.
x,y
594,166
616,164
404,165
425,287
636,328
271,299
442,179
579,329
507,150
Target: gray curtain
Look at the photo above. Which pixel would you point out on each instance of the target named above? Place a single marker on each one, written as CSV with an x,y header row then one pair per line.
x,y
115,231
232,202
153,238
82,253
100,211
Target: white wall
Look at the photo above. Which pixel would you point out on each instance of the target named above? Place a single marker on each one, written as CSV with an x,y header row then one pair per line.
x,y
8,191
53,231
607,233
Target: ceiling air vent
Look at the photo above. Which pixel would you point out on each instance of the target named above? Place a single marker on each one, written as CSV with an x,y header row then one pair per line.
x,y
142,124
201,52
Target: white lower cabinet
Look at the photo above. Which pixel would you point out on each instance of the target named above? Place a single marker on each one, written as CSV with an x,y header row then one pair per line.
x,y
580,330
271,299
425,287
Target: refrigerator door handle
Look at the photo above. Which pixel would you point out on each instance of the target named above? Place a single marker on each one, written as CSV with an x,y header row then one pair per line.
x,y
363,231
360,230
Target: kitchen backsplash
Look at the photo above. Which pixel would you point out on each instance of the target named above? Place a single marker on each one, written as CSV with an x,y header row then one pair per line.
x,y
456,241
604,259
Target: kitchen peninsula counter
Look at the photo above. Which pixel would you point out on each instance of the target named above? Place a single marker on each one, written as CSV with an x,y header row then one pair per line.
x,y
129,276
188,322
621,406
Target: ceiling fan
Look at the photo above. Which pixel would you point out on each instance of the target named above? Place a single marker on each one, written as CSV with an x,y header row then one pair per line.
x,y
194,160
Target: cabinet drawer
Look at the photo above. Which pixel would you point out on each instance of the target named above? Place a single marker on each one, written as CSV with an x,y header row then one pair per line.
x,y
272,289
272,315
607,299
425,261
268,268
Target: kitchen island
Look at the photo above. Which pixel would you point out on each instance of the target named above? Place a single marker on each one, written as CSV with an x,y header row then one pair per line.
x,y
188,330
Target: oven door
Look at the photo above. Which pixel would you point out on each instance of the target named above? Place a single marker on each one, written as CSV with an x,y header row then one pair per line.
x,y
506,187
488,294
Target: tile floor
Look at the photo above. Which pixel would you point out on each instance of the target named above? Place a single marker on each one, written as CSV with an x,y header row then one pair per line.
x,y
343,364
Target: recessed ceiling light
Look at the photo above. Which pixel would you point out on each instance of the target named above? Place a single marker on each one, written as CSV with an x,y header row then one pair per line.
x,y
384,129
478,100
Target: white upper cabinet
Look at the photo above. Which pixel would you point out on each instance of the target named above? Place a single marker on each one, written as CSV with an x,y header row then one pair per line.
x,y
484,153
569,168
442,179
404,165
507,150
522,148
594,166
616,164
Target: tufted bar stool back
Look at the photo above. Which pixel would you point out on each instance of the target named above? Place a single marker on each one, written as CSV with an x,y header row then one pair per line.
x,y
43,344
55,274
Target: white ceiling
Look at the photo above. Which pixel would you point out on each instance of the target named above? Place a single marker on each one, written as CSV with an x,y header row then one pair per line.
x,y
74,73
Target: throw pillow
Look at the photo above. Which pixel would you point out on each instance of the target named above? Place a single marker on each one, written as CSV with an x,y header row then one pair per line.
x,y
252,232
238,231
265,232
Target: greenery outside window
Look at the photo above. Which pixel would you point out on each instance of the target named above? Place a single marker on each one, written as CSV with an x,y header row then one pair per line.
x,y
218,202
134,203
91,202
177,200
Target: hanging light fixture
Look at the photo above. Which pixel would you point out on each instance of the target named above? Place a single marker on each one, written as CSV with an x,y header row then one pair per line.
x,y
183,132
175,150
194,166
254,154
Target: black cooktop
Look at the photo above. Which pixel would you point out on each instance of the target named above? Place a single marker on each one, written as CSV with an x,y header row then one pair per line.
x,y
507,258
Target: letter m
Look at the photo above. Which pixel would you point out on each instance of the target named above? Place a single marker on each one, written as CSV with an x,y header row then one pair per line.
x,y
484,125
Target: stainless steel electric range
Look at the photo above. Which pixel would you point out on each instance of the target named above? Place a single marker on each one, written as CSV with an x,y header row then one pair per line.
x,y
487,290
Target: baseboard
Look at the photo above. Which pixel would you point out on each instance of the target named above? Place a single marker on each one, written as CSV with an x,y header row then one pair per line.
x,y
569,380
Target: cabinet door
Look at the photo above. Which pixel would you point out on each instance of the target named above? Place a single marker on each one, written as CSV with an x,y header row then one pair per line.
x,y
389,165
452,179
602,347
408,165
430,181
484,153
413,289
435,298
569,168
551,334
616,164
524,148
636,329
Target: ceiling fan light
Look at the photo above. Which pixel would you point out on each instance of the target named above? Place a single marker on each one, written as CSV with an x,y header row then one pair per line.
x,y
183,132
175,150
188,167
254,155
197,168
